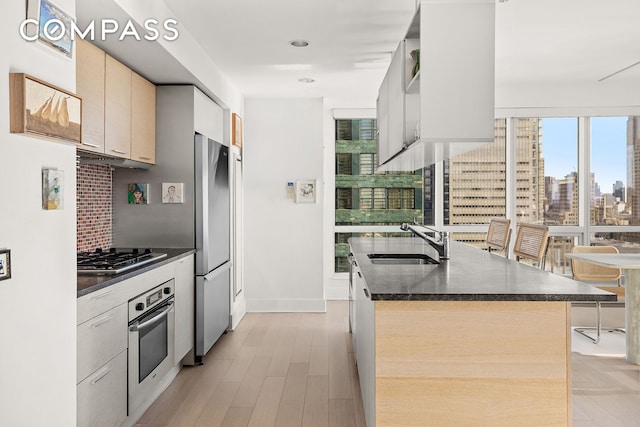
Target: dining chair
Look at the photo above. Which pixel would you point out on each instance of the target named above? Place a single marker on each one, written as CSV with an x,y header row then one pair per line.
x,y
498,235
588,272
532,241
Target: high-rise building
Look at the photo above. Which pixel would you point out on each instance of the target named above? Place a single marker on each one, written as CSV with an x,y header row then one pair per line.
x,y
362,197
476,180
619,191
633,168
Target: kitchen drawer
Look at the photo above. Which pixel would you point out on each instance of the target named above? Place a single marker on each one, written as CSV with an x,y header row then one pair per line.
x,y
95,303
100,339
102,397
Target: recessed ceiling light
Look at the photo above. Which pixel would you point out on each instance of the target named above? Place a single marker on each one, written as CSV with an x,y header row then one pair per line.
x,y
306,80
299,43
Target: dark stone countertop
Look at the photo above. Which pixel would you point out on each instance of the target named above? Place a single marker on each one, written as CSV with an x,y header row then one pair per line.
x,y
91,283
471,274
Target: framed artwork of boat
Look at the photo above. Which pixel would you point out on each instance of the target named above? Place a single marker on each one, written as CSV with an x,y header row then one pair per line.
x,y
42,109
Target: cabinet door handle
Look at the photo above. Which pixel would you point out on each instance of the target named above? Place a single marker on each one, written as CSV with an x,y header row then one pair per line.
x,y
118,151
366,293
102,295
106,372
144,158
91,145
102,322
359,275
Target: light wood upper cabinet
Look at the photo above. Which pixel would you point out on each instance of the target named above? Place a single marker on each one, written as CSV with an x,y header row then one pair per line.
x,y
90,71
143,119
117,109
118,106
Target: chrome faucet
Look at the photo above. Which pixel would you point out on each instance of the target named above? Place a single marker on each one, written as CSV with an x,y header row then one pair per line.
x,y
441,244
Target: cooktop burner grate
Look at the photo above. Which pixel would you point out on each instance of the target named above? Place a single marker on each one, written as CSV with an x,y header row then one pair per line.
x,y
114,261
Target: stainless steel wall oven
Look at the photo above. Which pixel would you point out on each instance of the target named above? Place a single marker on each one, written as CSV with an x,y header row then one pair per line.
x,y
151,341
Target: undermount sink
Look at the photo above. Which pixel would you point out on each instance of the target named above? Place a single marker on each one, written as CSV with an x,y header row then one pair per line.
x,y
398,259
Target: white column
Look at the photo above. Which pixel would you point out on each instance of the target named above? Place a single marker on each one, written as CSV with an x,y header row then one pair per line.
x,y
632,304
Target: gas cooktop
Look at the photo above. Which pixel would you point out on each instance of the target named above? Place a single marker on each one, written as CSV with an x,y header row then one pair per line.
x,y
115,261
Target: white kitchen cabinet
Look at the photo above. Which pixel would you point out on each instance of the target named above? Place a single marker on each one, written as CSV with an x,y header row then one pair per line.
x,y
100,339
390,109
102,358
365,346
382,120
453,98
102,396
103,335
184,306
396,95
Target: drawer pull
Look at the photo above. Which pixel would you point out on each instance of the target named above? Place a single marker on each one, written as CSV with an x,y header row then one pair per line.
x,y
118,151
102,295
91,145
366,293
102,322
106,372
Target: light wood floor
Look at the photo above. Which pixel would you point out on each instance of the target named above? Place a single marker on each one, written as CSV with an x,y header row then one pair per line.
x,y
297,369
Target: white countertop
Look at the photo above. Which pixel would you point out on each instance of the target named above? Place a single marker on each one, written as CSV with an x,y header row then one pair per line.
x,y
624,261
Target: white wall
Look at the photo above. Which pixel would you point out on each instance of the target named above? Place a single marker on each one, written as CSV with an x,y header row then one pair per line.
x,y
38,304
283,240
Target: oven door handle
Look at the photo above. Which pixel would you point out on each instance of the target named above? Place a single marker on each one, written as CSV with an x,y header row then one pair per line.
x,y
135,327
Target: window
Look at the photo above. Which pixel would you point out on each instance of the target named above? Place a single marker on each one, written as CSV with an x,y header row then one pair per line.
x,y
364,198
546,170
613,152
537,155
368,163
475,182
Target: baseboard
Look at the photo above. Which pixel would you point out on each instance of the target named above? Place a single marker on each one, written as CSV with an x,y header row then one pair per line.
x,y
336,292
286,305
237,314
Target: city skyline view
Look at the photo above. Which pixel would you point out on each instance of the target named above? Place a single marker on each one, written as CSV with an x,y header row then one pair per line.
x,y
608,149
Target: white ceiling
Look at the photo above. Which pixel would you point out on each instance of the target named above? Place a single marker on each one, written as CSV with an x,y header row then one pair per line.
x,y
351,43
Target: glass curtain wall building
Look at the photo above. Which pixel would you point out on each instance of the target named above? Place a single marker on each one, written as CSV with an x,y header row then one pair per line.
x,y
578,175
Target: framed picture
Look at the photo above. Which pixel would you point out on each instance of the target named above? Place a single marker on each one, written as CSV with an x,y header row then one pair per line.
x,y
39,108
5,264
54,26
236,131
306,191
138,193
172,192
52,189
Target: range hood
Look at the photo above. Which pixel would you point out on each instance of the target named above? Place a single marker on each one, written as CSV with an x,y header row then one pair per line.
x,y
88,158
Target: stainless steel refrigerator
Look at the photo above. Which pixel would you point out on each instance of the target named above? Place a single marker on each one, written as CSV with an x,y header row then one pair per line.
x,y
213,265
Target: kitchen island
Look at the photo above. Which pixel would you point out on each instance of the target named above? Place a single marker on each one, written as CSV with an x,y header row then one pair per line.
x,y
474,340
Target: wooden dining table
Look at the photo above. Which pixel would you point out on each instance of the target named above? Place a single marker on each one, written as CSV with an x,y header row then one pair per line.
x,y
630,264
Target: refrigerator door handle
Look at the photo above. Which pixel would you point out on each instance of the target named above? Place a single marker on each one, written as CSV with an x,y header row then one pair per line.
x,y
217,271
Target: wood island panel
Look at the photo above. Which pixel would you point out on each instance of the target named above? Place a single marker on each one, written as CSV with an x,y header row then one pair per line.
x,y
472,363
